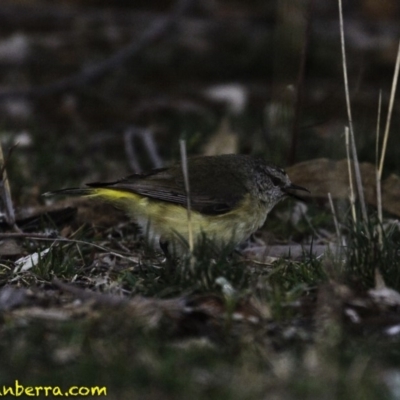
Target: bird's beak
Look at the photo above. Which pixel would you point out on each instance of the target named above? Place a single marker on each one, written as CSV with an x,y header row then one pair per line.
x,y
288,190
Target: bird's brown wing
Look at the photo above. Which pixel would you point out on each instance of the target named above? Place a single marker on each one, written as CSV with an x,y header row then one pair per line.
x,y
210,192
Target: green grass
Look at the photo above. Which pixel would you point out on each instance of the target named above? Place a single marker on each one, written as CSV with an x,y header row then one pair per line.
x,y
366,254
248,329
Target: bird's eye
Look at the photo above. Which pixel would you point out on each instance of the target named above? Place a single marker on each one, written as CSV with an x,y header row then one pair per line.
x,y
276,181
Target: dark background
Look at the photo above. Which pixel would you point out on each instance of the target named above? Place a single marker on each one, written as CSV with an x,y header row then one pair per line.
x,y
71,104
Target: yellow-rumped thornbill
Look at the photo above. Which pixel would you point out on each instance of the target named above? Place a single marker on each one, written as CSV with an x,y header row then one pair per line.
x,y
230,195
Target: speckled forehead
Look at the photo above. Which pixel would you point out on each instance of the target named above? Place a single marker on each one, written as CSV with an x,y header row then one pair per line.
x,y
281,170
269,168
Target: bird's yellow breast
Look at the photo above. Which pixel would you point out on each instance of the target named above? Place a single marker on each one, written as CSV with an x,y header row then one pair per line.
x,y
170,221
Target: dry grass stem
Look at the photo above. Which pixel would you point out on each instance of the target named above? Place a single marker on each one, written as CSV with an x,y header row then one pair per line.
x,y
378,129
335,220
379,170
378,176
187,188
352,195
379,206
5,192
390,110
357,172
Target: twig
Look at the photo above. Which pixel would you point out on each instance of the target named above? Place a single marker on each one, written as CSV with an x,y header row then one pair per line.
x,y
357,172
49,238
187,188
89,75
100,298
140,308
25,235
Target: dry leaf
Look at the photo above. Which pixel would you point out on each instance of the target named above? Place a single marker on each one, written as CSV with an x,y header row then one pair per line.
x,y
321,176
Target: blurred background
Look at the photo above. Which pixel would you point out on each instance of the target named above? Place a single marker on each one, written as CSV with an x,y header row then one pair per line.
x,y
95,90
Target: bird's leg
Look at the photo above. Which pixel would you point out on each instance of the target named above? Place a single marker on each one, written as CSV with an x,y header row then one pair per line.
x,y
164,244
170,261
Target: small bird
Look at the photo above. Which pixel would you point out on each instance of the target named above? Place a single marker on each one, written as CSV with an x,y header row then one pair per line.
x,y
230,196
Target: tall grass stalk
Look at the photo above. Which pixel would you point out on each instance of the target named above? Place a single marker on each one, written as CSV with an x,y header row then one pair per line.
x,y
390,110
378,177
185,171
352,194
357,172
